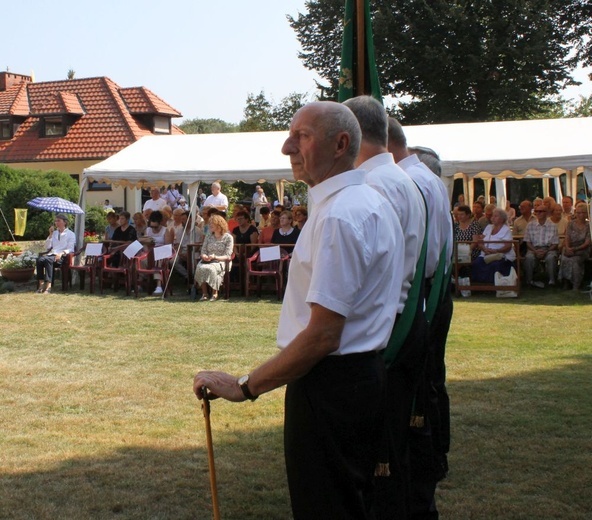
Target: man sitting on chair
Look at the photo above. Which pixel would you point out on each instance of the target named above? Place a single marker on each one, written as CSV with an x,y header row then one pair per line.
x,y
59,243
542,241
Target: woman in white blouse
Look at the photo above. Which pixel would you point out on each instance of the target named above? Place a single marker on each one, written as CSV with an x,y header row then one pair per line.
x,y
497,251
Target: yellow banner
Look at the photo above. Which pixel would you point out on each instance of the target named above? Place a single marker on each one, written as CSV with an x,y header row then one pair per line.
x,y
20,221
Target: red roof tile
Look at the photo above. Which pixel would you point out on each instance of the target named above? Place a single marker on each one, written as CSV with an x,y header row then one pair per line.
x,y
140,100
14,101
105,126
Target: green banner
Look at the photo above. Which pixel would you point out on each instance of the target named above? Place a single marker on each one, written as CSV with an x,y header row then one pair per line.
x,y
349,70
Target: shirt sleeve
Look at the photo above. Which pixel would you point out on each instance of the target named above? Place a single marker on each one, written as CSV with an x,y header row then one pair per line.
x,y
338,265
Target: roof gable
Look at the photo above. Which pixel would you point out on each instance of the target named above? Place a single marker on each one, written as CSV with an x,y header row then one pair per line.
x,y
105,123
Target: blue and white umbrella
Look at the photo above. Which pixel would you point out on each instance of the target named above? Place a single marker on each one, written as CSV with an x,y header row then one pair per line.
x,y
55,204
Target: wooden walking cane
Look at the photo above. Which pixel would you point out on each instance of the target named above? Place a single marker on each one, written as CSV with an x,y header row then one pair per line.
x,y
205,406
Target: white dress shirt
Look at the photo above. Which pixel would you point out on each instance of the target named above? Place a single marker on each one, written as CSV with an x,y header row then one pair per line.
x,y
349,259
439,219
396,186
217,200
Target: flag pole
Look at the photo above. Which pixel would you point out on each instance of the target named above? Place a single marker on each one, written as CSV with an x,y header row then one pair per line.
x,y
361,40
6,222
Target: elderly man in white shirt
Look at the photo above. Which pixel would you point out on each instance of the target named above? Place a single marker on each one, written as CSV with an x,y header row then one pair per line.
x,y
217,198
404,368
338,312
155,203
432,439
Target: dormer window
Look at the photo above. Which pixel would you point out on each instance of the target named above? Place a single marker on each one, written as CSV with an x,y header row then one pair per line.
x,y
53,127
9,127
5,129
162,125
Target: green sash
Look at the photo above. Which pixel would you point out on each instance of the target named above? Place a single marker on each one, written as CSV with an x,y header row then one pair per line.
x,y
403,324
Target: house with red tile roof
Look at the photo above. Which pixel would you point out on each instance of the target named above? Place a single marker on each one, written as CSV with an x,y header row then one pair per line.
x,y
69,125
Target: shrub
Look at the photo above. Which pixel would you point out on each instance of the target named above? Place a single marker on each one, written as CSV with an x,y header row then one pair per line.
x,y
95,220
24,186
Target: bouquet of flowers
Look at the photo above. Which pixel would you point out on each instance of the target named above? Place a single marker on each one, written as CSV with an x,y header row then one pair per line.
x,y
27,259
11,247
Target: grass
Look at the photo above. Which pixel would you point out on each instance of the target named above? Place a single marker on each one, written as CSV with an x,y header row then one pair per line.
x,y
98,419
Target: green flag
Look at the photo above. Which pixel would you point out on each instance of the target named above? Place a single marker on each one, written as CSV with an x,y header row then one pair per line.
x,y
349,80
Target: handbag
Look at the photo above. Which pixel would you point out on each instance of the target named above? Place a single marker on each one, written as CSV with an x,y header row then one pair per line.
x,y
501,281
494,257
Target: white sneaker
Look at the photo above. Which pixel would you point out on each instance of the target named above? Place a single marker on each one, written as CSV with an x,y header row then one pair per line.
x,y
540,285
158,290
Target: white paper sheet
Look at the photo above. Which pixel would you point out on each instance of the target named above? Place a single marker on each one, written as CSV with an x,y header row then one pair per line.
x,y
267,254
161,252
94,249
131,250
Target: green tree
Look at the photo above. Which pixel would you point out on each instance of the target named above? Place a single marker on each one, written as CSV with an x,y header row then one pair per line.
x,y
207,126
31,184
262,115
453,60
581,108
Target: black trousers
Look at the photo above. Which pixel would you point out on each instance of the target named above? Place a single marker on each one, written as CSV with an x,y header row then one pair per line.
x,y
333,422
430,443
403,379
45,267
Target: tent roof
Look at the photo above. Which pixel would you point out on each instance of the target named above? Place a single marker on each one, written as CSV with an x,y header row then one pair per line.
x,y
250,157
510,147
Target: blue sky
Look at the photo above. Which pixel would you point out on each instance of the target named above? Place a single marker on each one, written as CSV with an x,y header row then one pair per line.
x,y
202,57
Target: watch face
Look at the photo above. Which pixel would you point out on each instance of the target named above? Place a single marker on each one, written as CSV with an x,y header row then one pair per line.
x,y
242,380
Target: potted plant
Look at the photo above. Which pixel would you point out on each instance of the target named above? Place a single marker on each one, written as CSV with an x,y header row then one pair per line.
x,y
18,268
91,236
7,248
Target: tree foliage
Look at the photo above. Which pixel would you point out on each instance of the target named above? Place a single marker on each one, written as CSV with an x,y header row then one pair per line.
x,y
455,60
207,126
28,185
261,114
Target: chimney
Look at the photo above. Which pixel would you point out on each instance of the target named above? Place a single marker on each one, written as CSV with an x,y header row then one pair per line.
x,y
9,79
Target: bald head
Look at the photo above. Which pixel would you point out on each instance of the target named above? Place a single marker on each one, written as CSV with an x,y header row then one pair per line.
x,y
324,140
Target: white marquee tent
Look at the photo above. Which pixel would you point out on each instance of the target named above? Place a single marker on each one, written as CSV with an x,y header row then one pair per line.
x,y
496,150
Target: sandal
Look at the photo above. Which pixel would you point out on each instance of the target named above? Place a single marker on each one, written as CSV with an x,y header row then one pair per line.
x,y
204,298
47,291
214,298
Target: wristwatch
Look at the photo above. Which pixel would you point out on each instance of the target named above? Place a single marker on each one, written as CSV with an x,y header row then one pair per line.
x,y
243,382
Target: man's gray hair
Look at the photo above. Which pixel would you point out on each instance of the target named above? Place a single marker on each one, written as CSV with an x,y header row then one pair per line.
x,y
430,158
396,135
372,118
337,118
217,185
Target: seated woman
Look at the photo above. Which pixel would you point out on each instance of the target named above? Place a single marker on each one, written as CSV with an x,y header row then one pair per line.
x,y
576,247
285,234
124,231
160,236
216,249
266,234
59,243
466,228
139,224
497,252
300,216
112,224
244,232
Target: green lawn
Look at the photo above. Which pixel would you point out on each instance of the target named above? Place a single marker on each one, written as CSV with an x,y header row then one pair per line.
x,y
98,419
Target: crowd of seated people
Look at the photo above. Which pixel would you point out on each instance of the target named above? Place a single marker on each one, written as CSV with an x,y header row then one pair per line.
x,y
551,235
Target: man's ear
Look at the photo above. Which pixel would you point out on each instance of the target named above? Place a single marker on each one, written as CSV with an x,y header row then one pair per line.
x,y
342,144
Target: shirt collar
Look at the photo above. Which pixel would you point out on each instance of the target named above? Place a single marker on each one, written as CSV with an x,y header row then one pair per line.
x,y
329,186
408,161
377,160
